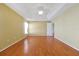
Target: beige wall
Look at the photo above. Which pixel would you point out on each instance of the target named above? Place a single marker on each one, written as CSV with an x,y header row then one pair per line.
x,y
67,26
38,28
11,27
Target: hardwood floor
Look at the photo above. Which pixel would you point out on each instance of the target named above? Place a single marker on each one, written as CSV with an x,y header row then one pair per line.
x,y
15,50
40,46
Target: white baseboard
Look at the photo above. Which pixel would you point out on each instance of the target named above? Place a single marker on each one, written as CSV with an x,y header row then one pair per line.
x,y
11,44
66,43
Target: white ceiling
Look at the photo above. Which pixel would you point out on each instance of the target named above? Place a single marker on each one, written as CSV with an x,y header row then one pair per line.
x,y
30,10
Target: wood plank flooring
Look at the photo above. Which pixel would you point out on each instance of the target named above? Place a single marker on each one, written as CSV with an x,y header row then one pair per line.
x,y
40,46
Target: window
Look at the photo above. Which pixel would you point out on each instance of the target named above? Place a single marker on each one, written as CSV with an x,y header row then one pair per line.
x,y
25,28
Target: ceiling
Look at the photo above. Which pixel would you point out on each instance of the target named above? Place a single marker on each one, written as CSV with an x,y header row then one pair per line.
x,y
39,11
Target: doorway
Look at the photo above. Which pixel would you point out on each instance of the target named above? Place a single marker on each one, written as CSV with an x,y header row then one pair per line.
x,y
50,29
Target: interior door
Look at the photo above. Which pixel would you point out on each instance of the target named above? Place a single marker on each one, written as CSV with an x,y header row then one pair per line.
x,y
50,29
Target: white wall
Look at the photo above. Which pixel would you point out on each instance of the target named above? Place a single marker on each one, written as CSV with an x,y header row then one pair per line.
x,y
38,28
67,26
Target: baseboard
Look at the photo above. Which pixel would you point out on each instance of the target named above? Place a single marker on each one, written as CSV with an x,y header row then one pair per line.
x,y
66,43
12,44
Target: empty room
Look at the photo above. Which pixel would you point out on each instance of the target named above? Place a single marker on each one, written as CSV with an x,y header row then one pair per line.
x,y
39,29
